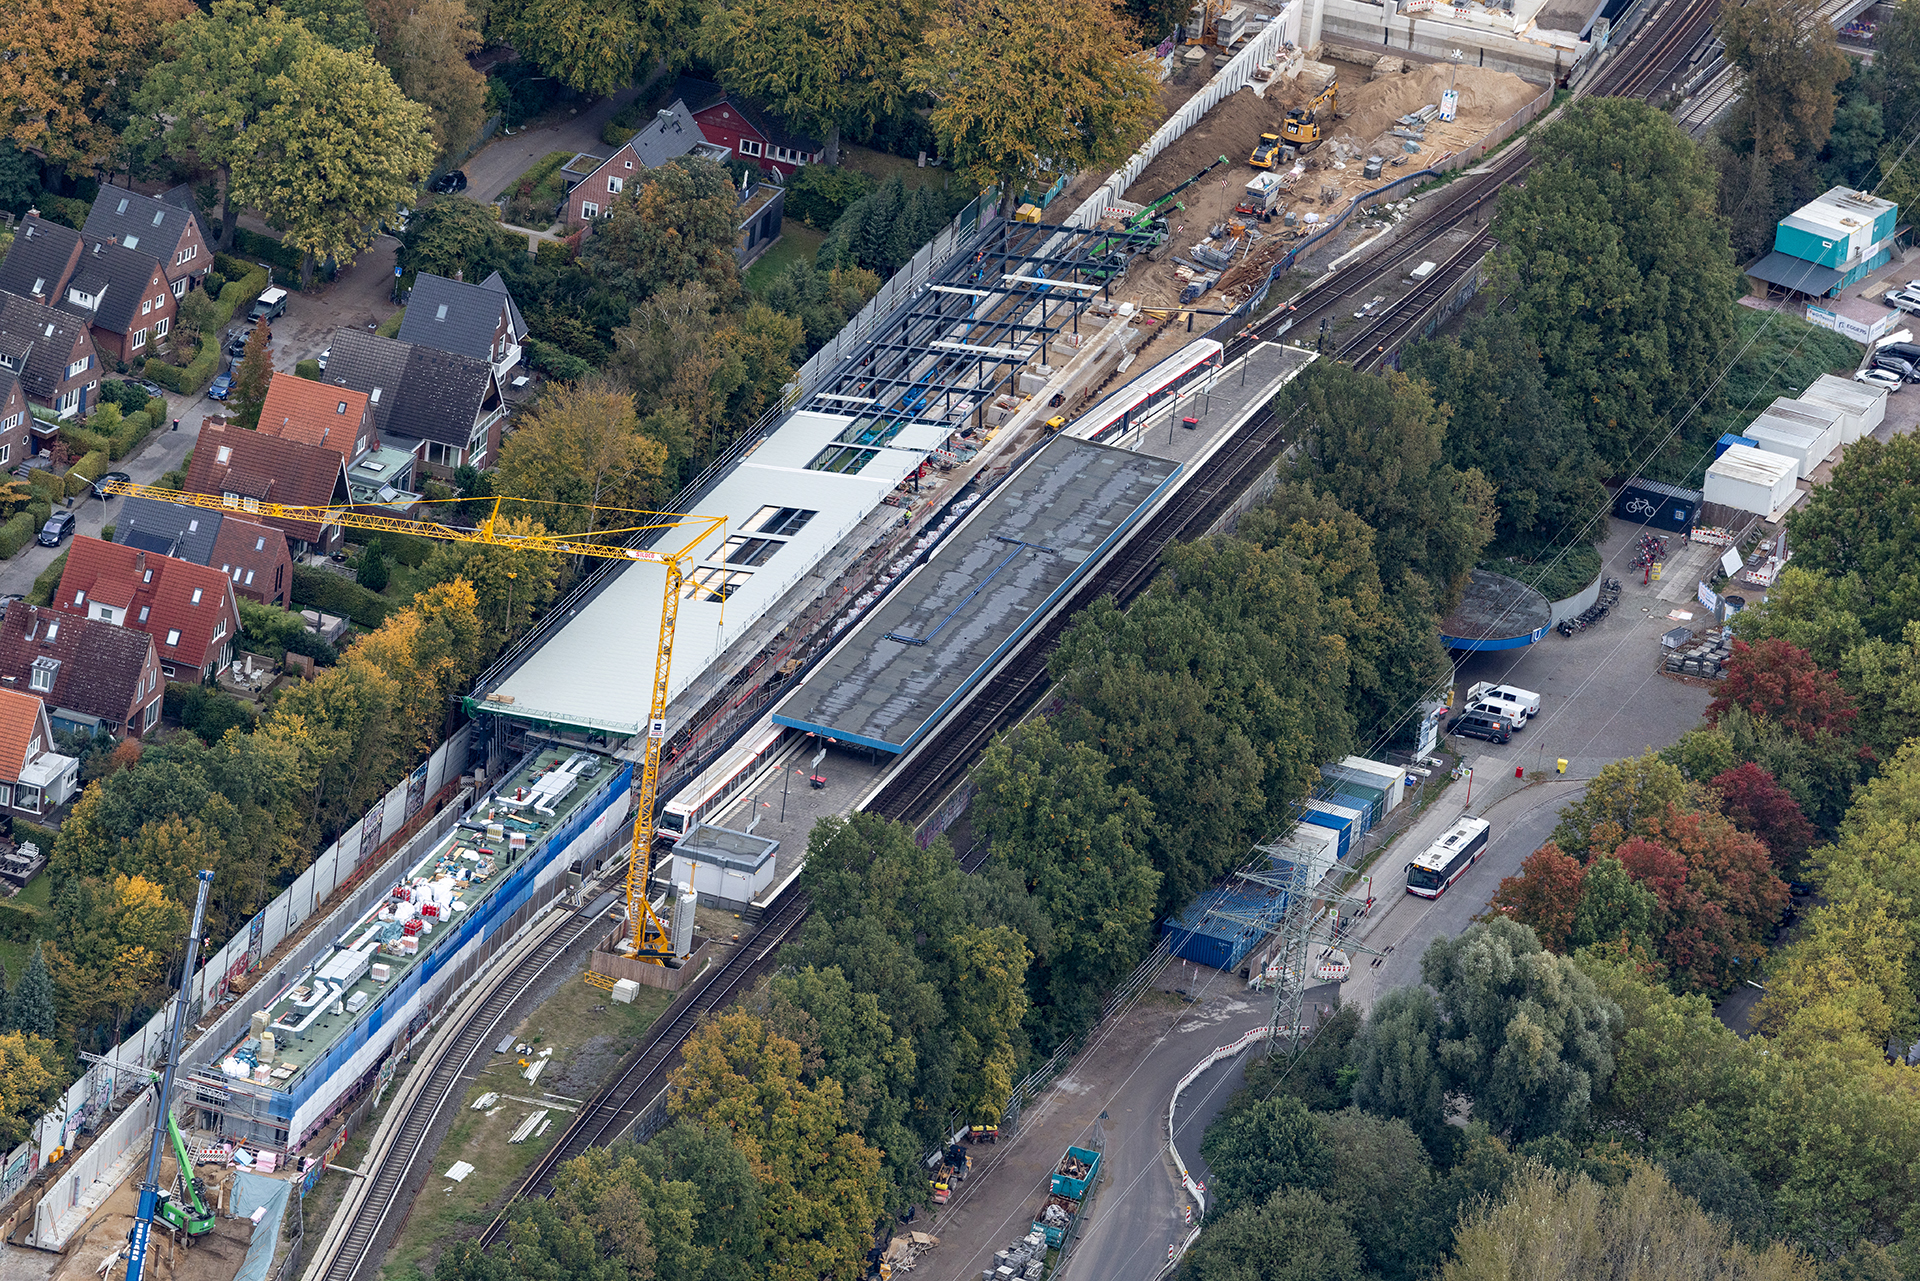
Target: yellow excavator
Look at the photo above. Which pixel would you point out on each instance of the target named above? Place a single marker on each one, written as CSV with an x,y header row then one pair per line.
x,y
1301,129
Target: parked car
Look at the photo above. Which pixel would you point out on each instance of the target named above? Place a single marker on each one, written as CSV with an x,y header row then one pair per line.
x,y
270,305
153,390
1495,729
119,476
1518,704
1895,365
222,386
450,182
325,356
59,527
1877,377
1494,709
237,344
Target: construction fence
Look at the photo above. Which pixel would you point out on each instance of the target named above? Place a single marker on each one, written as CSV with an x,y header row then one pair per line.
x,y
394,824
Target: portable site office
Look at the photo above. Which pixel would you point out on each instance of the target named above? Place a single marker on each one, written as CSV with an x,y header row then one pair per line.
x,y
1391,777
1358,787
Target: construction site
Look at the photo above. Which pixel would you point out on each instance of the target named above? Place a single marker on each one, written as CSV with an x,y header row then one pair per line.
x,y
1273,164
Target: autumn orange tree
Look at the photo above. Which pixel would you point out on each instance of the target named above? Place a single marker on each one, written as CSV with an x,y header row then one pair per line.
x,y
1025,91
67,71
110,954
820,1181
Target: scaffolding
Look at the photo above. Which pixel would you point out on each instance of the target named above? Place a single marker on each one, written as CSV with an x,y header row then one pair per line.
x,y
946,353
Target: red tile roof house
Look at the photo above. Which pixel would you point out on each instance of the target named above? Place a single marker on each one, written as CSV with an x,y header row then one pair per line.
x,y
751,135
91,675
123,294
189,610
247,468
169,232
52,354
34,779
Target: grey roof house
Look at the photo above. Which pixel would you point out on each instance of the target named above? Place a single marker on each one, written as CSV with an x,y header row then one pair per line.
x,y
444,408
160,227
479,321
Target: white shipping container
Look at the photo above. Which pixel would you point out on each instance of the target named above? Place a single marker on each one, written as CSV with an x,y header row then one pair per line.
x,y
1866,406
1750,480
1823,419
1789,440
1392,777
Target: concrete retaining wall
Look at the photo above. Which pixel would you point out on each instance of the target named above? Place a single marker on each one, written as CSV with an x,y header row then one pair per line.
x,y
1580,601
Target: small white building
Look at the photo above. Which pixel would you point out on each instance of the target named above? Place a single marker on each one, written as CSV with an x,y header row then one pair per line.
x,y
1751,480
1789,439
1864,407
1823,419
727,869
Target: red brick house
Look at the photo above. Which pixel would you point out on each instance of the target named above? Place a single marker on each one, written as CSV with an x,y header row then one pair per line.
x,y
247,468
33,777
16,437
172,234
91,675
750,134
255,557
189,610
52,354
122,294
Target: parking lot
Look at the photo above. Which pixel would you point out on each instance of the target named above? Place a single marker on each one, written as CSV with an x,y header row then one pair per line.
x,y
1603,694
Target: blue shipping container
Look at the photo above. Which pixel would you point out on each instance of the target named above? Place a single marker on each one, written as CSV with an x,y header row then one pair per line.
x,y
1202,935
1720,446
1351,783
1342,826
1343,810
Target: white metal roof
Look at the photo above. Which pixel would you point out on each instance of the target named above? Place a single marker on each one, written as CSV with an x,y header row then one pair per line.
x,y
1755,466
597,671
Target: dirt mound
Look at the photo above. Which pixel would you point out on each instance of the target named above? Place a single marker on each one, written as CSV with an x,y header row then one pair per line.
x,y
1230,129
1486,98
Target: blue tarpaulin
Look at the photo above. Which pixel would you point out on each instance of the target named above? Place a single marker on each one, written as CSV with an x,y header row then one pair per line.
x,y
251,1192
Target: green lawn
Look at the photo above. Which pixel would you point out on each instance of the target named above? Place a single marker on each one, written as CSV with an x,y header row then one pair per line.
x,y
881,166
798,243
38,896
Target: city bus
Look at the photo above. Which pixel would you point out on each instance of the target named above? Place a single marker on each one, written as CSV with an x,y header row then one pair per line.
x,y
1448,858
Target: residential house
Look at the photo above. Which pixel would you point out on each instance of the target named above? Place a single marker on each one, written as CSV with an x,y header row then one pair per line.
x,y
123,294
247,468
254,556
189,610
479,321
34,779
443,408
672,133
335,418
727,121
52,354
16,437
154,226
93,676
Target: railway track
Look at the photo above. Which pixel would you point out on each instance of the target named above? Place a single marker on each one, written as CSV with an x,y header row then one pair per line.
x,y
386,1188
1190,513
609,1113
1394,326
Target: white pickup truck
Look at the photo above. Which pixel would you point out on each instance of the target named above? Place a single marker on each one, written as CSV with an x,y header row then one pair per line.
x,y
1519,704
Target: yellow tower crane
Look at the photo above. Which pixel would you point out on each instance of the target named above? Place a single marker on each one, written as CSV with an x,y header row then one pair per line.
x,y
645,924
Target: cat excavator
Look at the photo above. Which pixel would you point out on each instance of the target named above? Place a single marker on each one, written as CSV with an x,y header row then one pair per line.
x,y
1301,129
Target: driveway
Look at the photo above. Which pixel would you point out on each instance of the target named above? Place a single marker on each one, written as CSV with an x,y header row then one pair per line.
x,y
493,168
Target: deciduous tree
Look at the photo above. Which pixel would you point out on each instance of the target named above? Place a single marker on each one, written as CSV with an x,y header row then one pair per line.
x,y
67,71
1270,1146
1082,846
1754,802
1296,1235
828,66
452,236
675,226
596,46
1773,681
1526,1035
1614,910
821,1182
580,448
425,44
216,82
1027,90
988,1001
31,1079
1623,799
338,148
1544,896
1399,1072
1866,521
1619,268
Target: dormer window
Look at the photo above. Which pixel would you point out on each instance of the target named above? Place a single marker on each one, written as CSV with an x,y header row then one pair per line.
x,y
45,670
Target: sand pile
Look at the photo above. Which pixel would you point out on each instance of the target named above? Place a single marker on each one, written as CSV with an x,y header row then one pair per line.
x,y
1486,99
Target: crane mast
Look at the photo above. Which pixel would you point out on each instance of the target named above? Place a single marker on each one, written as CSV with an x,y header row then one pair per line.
x,y
650,937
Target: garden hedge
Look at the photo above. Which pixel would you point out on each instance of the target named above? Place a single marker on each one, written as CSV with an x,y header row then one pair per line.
x,y
332,594
15,533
